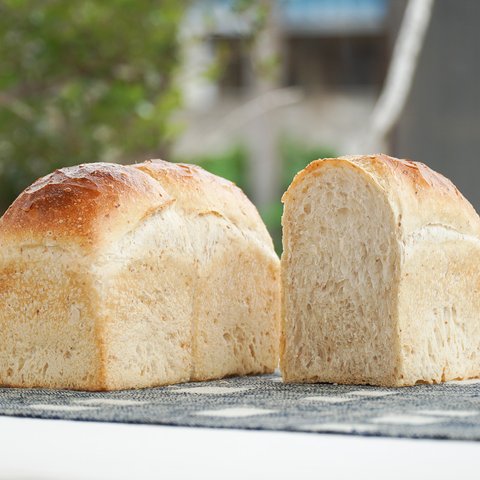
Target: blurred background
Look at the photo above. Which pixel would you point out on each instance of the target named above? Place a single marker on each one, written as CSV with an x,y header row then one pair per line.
x,y
250,90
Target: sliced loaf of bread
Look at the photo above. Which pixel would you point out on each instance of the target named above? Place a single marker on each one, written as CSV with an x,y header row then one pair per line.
x,y
380,275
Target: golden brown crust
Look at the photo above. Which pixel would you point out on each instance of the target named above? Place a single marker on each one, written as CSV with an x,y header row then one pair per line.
x,y
422,179
416,173
199,192
182,173
82,203
419,174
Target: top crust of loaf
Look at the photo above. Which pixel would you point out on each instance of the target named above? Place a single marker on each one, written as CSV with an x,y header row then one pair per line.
x,y
419,196
91,205
85,205
199,192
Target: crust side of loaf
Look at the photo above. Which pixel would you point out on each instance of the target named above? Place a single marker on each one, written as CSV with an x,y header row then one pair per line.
x,y
83,206
48,321
201,320
198,192
147,282
236,304
438,233
421,195
235,322
158,264
440,242
439,308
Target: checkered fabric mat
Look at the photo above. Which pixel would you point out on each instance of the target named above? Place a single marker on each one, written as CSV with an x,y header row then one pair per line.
x,y
263,402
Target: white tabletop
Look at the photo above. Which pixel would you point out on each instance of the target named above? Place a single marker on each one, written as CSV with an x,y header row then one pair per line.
x,y
55,449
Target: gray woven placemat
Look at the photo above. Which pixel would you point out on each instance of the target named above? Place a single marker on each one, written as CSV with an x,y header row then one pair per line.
x,y
263,402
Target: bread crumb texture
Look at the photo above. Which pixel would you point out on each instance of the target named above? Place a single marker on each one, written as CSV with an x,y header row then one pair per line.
x,y
380,275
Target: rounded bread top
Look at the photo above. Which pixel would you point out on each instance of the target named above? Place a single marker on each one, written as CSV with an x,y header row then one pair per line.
x,y
198,192
87,204
418,195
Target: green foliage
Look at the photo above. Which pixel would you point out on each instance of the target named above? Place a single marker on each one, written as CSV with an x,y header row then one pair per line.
x,y
296,156
231,164
272,216
83,81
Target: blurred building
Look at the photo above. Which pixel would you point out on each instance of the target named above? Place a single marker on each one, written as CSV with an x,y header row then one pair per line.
x,y
441,122
331,57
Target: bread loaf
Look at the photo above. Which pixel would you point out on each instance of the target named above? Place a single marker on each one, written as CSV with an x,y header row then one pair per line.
x,y
115,277
380,275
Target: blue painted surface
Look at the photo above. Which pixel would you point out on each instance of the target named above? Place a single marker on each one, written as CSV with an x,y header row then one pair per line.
x,y
316,15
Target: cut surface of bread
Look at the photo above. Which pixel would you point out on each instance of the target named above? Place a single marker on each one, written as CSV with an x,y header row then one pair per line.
x,y
115,277
380,275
